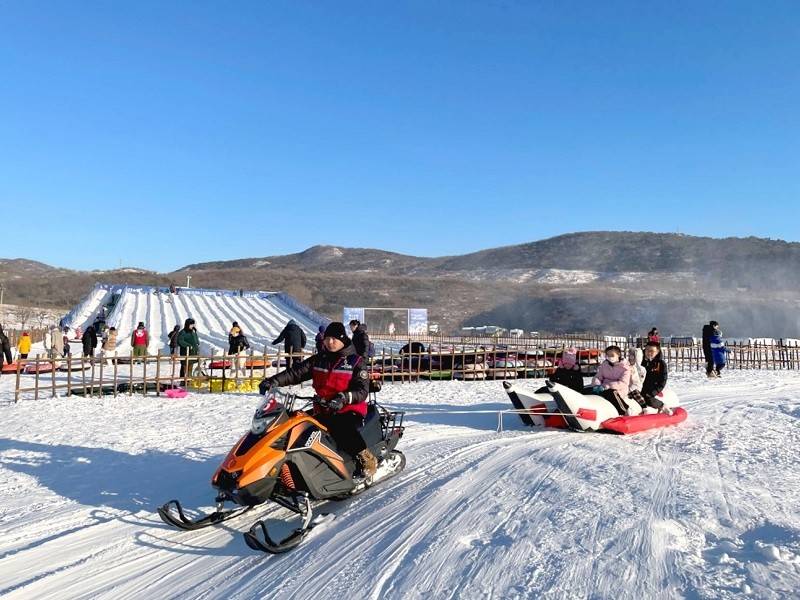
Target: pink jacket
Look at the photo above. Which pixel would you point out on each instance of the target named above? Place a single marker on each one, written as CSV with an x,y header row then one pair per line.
x,y
614,377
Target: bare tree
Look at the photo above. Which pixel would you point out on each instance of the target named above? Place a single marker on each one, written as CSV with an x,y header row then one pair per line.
x,y
41,318
24,315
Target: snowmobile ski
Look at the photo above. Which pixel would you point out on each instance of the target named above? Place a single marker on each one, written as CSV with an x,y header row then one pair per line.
x,y
178,519
258,537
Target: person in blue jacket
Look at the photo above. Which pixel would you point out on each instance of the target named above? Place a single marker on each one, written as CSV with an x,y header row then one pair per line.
x,y
714,349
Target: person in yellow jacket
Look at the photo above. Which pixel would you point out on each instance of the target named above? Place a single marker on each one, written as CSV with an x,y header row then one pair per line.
x,y
24,345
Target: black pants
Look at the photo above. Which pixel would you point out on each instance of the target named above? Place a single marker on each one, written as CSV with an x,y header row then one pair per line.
x,y
344,429
613,397
568,377
186,366
7,354
289,358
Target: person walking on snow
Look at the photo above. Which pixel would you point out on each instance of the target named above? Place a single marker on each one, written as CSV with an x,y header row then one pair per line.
x,y
54,342
236,345
65,341
294,340
139,340
360,338
89,341
5,348
713,349
109,344
24,345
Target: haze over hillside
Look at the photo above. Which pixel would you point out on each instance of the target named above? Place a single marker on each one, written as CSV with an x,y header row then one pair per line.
x,y
611,281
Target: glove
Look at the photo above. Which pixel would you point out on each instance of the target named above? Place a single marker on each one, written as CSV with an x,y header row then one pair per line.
x,y
337,403
264,386
598,389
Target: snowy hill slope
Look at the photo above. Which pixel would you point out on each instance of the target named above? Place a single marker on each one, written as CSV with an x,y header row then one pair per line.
x,y
262,319
703,510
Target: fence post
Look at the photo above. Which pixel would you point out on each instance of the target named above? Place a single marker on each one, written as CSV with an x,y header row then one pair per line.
x,y
53,375
36,384
158,372
16,389
83,373
116,366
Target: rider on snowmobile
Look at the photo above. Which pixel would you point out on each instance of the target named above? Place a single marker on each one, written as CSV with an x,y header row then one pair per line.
x,y
342,387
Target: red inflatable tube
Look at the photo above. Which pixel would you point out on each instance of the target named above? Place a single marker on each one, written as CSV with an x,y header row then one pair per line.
x,y
219,364
643,422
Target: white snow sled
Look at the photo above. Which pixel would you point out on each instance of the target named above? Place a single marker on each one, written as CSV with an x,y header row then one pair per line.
x,y
558,406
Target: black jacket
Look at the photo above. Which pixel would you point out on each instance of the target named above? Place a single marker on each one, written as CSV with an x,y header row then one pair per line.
x,y
237,343
292,336
656,377
361,341
571,378
318,341
173,338
4,343
708,331
324,364
89,340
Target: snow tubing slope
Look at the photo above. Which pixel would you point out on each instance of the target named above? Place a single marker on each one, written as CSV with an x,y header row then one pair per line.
x,y
585,412
261,319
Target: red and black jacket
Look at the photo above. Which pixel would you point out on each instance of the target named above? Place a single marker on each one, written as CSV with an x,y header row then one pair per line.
x,y
332,373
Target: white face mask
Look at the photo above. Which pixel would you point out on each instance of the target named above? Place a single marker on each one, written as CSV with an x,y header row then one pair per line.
x,y
613,359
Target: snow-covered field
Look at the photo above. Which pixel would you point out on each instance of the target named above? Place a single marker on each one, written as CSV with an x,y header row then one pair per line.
x,y
708,509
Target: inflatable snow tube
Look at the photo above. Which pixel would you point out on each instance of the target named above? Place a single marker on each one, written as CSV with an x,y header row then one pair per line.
x,y
176,393
257,363
33,368
639,423
541,407
219,364
558,406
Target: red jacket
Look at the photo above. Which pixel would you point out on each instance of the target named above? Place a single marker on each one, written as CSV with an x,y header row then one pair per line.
x,y
139,337
332,373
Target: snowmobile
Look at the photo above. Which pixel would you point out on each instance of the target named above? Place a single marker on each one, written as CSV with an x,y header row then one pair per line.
x,y
555,405
288,457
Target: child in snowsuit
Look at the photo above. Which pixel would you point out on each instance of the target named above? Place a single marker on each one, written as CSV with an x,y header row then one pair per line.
x,y
24,345
568,371
139,339
638,373
613,379
656,376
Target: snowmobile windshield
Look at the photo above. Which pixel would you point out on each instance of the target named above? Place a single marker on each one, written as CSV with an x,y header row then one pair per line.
x,y
266,414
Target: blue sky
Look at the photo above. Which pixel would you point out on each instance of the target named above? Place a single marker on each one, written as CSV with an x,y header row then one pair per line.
x,y
164,133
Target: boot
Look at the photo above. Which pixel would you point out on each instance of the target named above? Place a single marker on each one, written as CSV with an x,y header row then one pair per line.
x,y
367,462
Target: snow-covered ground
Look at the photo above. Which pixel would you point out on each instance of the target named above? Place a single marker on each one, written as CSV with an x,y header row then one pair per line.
x,y
707,509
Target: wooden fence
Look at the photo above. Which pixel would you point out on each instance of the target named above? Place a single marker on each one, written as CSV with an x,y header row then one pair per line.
x,y
446,360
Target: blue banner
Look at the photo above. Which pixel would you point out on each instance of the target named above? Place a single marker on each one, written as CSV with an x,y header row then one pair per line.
x,y
352,313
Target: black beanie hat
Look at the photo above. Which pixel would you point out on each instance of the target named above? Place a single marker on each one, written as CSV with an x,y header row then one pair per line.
x,y
337,330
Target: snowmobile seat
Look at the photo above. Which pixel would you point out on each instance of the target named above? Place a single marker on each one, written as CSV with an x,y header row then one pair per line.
x,y
371,429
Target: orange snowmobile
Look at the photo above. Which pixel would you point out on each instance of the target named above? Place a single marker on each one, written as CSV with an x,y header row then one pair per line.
x,y
288,457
